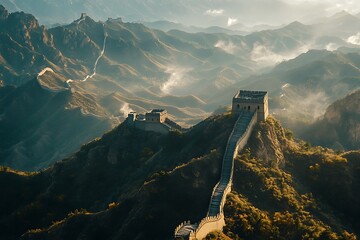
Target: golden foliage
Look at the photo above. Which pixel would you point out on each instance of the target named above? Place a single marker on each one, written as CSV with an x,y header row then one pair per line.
x,y
271,202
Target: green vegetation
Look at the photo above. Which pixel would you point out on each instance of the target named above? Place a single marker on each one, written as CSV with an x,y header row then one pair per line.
x,y
217,236
311,195
132,184
127,175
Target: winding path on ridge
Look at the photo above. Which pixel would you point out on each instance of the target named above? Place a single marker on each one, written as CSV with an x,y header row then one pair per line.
x,y
42,72
96,62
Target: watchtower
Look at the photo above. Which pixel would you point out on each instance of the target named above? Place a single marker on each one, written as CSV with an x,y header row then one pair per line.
x,y
156,115
132,116
251,101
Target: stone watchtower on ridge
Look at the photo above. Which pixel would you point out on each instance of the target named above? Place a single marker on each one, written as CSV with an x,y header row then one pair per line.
x,y
156,115
156,120
251,101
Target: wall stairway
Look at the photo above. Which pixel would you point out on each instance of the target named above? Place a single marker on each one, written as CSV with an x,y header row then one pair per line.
x,y
215,216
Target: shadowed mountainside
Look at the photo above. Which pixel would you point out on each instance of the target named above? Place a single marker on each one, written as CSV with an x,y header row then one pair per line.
x,y
114,169
339,127
115,67
25,48
42,125
123,193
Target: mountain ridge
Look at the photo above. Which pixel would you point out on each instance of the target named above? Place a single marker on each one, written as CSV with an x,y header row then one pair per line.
x,y
114,67
30,133
270,163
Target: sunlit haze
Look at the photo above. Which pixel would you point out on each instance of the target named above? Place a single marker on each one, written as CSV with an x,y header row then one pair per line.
x,y
199,12
179,119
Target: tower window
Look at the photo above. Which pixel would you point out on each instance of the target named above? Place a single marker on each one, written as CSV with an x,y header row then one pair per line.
x,y
249,108
258,107
238,106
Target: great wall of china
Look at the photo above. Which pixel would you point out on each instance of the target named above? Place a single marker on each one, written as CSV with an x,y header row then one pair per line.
x,y
250,107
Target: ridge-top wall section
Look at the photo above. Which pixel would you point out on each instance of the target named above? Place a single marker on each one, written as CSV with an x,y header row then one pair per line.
x,y
214,221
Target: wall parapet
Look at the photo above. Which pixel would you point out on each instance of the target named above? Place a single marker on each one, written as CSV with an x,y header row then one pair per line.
x,y
206,225
180,226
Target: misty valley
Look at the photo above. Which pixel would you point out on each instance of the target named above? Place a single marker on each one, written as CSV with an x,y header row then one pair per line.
x,y
179,120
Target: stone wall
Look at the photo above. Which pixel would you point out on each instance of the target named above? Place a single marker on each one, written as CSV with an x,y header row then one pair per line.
x,y
244,139
216,223
207,225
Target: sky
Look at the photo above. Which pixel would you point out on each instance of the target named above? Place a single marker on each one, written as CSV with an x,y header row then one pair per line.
x,y
277,12
204,13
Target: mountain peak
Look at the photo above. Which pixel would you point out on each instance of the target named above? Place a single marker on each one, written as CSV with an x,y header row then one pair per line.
x,y
19,20
3,12
295,24
84,18
342,14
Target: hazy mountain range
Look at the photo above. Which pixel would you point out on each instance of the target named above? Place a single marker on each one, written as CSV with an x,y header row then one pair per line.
x,y
44,126
304,87
71,168
339,127
103,70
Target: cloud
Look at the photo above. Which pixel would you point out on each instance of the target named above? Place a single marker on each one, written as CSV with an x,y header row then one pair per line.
x,y
214,12
331,47
355,39
228,47
286,85
265,57
125,109
176,79
231,21
311,104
